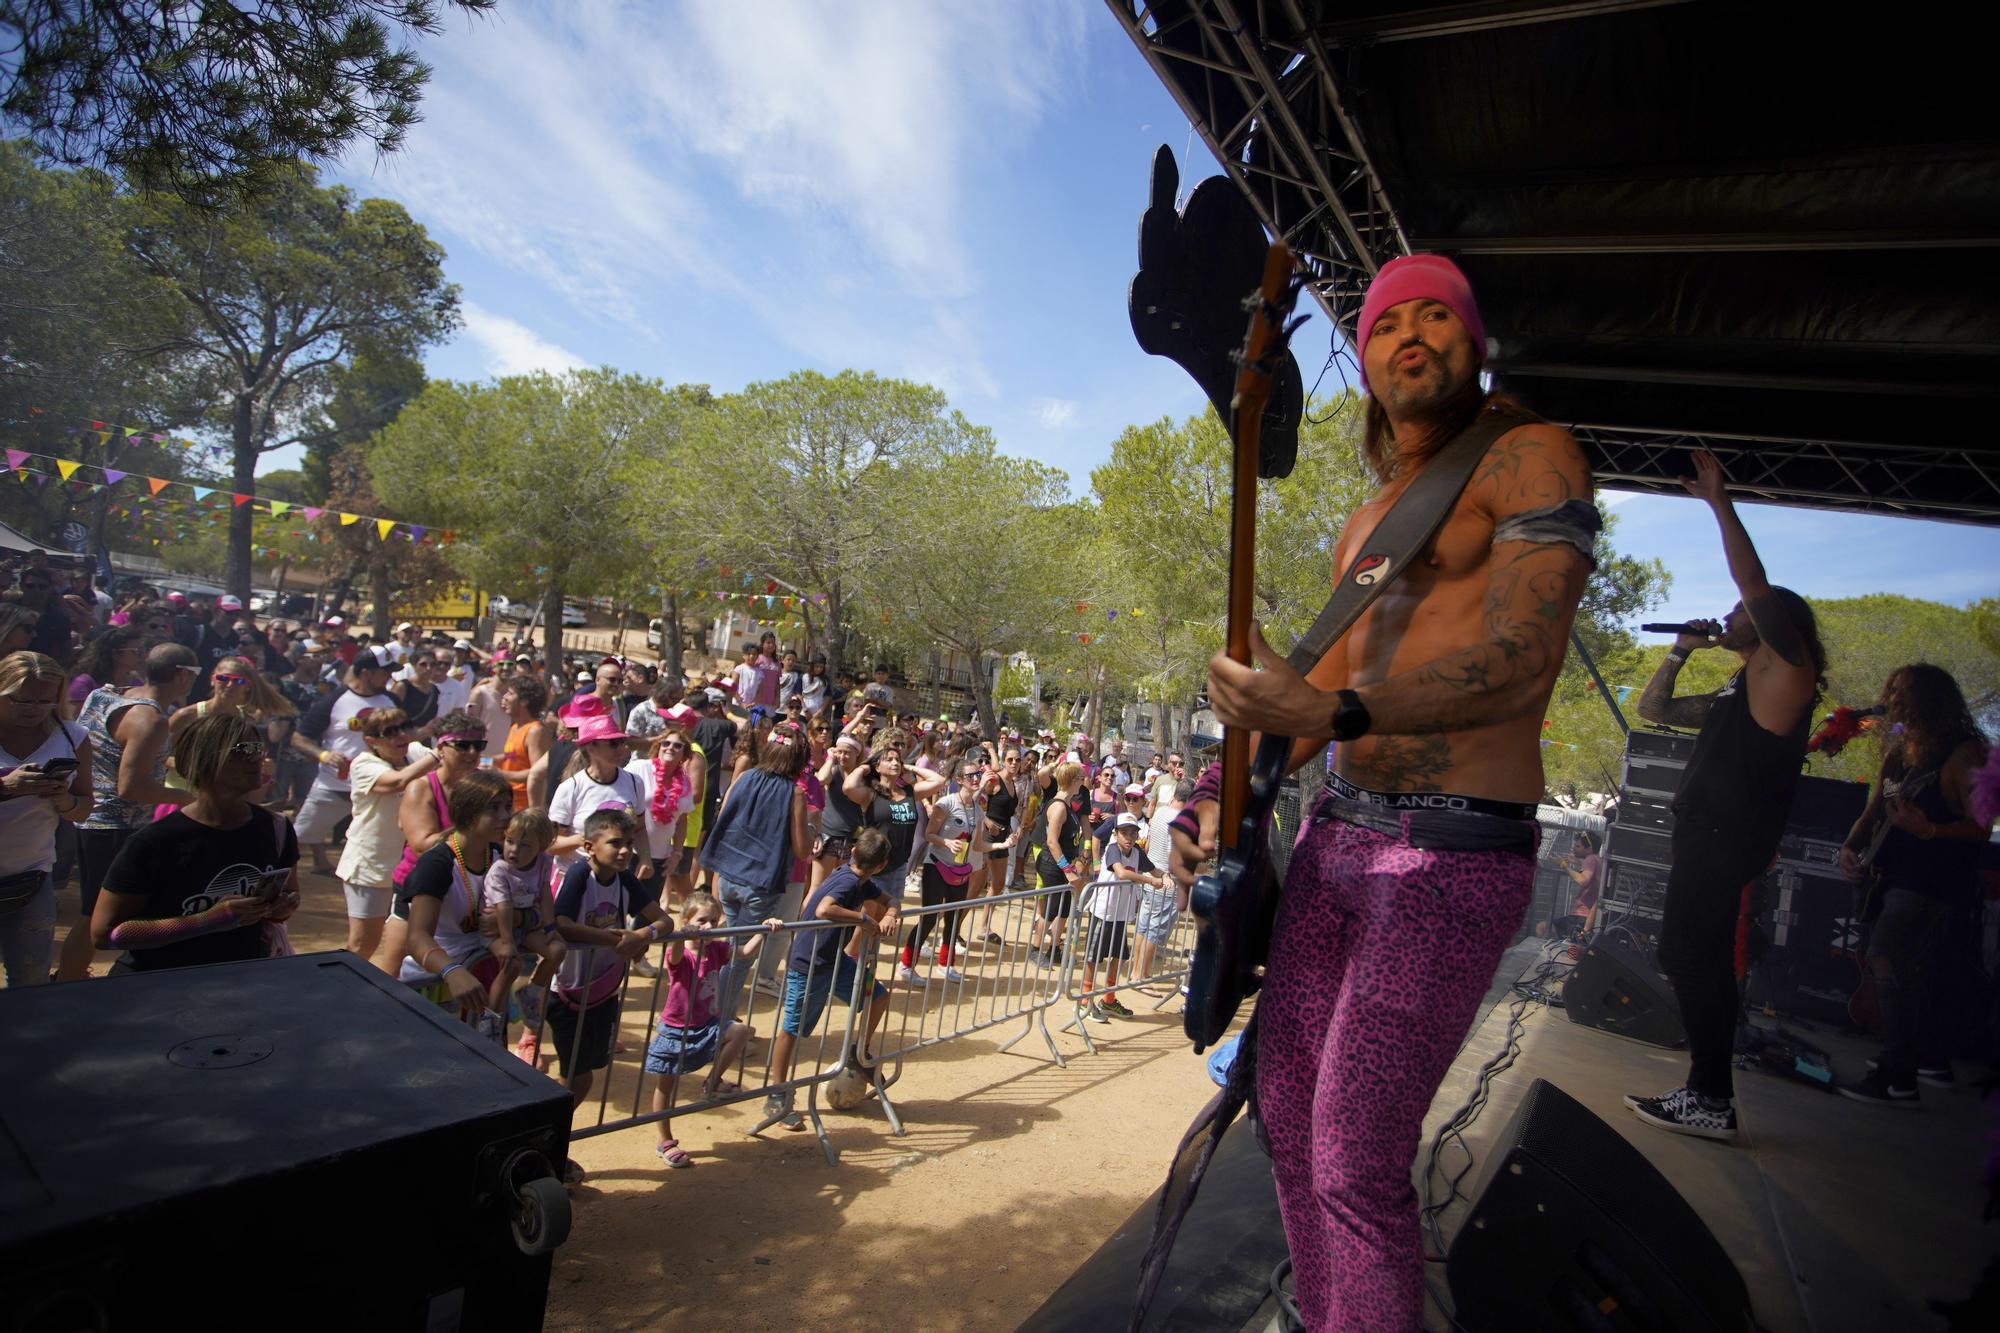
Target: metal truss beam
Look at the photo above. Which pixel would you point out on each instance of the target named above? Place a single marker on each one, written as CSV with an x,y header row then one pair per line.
x,y
1952,485
1451,20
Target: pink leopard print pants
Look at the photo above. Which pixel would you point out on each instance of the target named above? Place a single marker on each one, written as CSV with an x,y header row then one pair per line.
x,y
1382,953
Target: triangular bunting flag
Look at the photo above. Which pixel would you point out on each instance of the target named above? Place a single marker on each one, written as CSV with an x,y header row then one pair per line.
x,y
202,492
157,484
104,437
67,467
16,457
238,498
349,520
384,526
112,476
416,532
97,425
278,507
312,513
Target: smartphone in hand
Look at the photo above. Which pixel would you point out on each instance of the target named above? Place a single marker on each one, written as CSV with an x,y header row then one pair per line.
x,y
59,770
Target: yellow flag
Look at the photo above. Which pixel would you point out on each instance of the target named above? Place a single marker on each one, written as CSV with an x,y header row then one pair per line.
x,y
67,467
385,526
349,520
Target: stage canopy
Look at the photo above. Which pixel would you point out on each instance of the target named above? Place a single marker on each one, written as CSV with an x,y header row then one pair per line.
x,y
1769,230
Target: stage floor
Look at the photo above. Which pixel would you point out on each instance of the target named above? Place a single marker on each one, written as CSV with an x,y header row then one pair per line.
x,y
1840,1216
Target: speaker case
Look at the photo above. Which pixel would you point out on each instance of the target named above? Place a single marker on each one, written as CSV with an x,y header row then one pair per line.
x,y
1617,991
1573,1228
295,1142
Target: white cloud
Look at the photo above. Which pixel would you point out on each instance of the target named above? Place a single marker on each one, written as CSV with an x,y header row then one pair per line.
x,y
641,159
513,348
1055,413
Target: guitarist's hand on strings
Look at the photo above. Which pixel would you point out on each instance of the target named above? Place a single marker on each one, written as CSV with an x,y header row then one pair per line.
x,y
1276,699
1908,818
1850,864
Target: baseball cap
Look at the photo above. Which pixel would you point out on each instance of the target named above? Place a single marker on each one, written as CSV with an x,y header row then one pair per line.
x,y
334,622
1135,789
312,646
405,625
178,598
716,696
682,714
1127,820
229,603
462,643
369,660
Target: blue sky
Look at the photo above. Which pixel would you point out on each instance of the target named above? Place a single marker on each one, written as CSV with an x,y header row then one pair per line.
x,y
949,192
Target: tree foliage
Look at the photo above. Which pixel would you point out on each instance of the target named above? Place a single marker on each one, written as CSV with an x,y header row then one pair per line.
x,y
525,467
281,295
210,100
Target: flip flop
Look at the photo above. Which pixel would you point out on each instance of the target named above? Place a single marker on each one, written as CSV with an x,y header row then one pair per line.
x,y
671,1154
721,1088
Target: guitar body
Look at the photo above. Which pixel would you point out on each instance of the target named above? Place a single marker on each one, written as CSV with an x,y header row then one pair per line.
x,y
1236,908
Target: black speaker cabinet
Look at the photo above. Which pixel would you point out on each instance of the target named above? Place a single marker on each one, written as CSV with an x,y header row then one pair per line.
x,y
1574,1229
288,1143
1616,990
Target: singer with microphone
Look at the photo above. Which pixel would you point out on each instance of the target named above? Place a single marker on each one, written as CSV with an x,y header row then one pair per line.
x,y
1731,806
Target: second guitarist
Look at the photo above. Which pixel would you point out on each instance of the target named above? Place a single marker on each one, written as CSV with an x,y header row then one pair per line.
x,y
1418,864
1928,872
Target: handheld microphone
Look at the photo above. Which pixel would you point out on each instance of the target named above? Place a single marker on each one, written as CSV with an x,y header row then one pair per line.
x,y
1654,627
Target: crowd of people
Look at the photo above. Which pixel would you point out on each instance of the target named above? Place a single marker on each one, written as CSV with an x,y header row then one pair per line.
x,y
514,839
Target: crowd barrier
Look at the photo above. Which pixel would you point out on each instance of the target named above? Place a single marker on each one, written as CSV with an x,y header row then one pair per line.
x,y
1006,974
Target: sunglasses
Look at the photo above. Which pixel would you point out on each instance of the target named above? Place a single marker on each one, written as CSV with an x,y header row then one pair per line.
x,y
673,743
390,733
248,749
226,679
468,746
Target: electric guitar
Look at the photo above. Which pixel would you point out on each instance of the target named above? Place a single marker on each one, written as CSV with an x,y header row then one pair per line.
x,y
1863,1006
1235,907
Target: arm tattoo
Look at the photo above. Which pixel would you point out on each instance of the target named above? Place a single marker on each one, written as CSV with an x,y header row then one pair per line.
x,y
1523,636
1657,704
1402,763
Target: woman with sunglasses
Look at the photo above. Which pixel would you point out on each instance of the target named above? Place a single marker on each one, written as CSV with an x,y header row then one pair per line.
x,y
378,777
235,686
422,816
660,762
201,884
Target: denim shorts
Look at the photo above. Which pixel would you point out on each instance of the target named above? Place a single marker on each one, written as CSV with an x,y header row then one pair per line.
x,y
682,1050
804,1002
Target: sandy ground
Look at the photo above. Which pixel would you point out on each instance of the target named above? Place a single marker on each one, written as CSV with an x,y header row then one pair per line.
x,y
1011,1172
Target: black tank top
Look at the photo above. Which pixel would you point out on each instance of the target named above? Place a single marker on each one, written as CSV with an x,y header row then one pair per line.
x,y
1935,867
1066,839
1741,775
841,817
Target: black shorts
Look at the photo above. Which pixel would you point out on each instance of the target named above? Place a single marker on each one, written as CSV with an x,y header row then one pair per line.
x,y
96,849
681,862
1056,906
580,1055
836,845
1107,940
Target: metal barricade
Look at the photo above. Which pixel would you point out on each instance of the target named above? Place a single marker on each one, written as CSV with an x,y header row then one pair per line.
x,y
1001,977
1097,950
762,998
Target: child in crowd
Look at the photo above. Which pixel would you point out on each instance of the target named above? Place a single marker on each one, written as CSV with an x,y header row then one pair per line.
x,y
516,889
819,966
1110,904
1160,908
598,895
690,1034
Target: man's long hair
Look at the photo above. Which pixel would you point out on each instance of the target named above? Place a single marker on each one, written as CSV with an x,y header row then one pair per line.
x,y
1939,719
1378,439
1802,615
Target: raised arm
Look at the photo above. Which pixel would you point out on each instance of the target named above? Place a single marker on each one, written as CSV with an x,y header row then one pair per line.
x,y
1658,704
1777,629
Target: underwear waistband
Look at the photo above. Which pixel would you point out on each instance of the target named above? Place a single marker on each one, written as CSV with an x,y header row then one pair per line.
x,y
1441,802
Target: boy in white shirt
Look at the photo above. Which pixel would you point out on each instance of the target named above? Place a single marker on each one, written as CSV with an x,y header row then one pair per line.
x,y
1110,904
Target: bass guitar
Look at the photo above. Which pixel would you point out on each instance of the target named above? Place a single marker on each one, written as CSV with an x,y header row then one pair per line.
x,y
1864,1008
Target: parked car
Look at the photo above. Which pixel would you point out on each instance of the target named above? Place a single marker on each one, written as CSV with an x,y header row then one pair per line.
x,y
503,608
573,616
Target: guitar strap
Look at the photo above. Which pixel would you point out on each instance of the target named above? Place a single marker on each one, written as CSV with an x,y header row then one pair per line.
x,y
1391,548
1403,533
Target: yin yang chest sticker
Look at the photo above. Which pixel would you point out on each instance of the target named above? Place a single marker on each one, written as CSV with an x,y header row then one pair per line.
x,y
1370,570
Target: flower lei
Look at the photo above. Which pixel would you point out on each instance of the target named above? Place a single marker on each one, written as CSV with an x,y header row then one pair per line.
x,y
667,792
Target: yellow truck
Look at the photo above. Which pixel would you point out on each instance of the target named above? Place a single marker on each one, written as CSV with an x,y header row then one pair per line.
x,y
455,606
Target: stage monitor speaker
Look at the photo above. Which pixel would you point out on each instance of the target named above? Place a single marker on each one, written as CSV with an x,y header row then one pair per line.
x,y
1573,1229
295,1143
1614,989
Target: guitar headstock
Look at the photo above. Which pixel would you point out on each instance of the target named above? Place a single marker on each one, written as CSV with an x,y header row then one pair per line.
x,y
1270,333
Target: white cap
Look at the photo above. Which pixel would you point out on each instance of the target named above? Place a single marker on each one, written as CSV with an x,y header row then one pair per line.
x,y
405,625
463,643
1127,820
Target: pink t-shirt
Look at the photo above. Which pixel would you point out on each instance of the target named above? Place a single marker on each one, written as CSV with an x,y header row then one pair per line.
x,y
815,791
693,984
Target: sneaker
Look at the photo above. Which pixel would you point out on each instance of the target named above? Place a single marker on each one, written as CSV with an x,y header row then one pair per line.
x,y
492,1027
1875,1088
645,967
1095,1012
1114,1007
953,974
909,976
778,1111
529,999
1683,1112
1936,1076
993,938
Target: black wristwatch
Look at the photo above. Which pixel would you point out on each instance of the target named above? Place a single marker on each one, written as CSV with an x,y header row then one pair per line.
x,y
1350,716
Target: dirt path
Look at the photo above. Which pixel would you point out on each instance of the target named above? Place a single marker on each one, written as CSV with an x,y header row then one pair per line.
x,y
1011,1173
